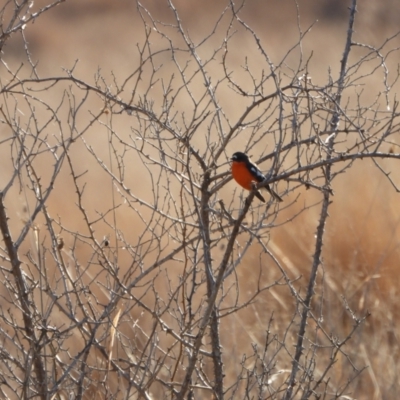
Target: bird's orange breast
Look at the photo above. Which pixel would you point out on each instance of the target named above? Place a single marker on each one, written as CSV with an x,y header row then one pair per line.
x,y
242,175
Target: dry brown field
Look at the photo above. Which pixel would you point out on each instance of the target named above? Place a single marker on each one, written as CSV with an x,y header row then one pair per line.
x,y
360,261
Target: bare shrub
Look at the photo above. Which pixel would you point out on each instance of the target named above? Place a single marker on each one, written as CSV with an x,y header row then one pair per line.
x,y
130,282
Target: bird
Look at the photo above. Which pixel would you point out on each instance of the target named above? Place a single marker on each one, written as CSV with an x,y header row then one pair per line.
x,y
245,172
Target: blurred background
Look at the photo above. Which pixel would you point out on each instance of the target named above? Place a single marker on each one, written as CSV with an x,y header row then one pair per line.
x,y
361,255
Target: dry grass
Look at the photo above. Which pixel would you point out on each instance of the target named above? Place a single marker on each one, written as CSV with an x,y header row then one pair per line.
x,y
361,252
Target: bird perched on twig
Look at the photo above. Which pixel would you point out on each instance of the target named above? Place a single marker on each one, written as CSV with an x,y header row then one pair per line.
x,y
245,173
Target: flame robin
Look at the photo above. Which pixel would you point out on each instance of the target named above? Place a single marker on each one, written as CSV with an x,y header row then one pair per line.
x,y
245,172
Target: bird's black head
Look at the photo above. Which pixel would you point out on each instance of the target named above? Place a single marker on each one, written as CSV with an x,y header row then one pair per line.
x,y
240,157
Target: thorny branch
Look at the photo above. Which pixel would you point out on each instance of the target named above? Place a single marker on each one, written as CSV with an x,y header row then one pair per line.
x,y
151,276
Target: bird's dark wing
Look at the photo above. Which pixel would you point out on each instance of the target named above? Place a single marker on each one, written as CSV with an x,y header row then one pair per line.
x,y
258,175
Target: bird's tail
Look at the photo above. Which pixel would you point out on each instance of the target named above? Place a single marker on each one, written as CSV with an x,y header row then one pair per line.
x,y
274,194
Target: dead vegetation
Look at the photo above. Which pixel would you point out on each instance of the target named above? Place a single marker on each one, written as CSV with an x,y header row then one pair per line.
x,y
133,267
